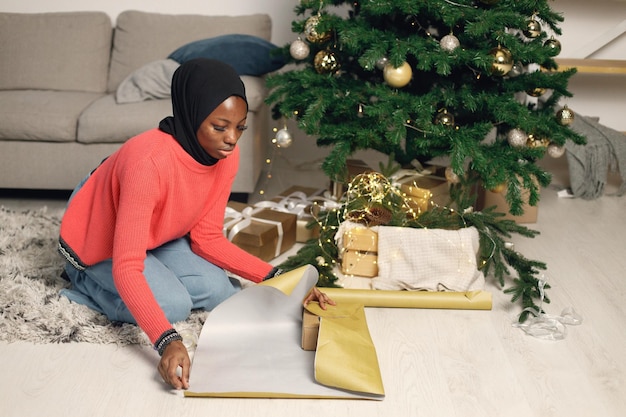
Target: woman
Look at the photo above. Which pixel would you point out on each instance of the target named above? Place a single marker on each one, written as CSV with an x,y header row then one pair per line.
x,y
143,233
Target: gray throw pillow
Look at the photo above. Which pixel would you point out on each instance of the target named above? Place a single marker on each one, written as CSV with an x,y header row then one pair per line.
x,y
152,81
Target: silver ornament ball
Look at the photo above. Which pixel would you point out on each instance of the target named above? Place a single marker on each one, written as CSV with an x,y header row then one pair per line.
x,y
555,151
517,138
449,43
516,70
283,138
299,49
380,64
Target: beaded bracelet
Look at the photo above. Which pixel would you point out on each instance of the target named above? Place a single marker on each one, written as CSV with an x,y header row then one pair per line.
x,y
276,271
166,338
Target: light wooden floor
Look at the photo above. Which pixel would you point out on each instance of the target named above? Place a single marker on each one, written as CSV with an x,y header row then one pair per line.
x,y
433,362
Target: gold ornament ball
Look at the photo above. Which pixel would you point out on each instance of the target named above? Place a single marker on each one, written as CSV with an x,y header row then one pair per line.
x,y
536,92
533,29
299,49
498,188
554,45
502,61
444,118
325,62
534,142
398,77
565,116
311,32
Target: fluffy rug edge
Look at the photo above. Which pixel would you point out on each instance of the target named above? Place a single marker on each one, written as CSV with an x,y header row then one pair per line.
x,y
31,308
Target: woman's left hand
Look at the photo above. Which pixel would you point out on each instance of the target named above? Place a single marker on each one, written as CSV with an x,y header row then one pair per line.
x,y
320,297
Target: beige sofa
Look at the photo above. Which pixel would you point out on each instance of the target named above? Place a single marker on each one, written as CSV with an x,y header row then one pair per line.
x,y
59,73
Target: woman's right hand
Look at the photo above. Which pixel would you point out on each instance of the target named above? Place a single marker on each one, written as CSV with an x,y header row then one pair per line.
x,y
175,356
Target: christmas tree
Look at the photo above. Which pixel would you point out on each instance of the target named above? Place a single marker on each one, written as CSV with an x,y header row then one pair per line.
x,y
474,81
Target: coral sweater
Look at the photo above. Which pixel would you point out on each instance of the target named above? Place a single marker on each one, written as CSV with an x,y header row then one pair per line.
x,y
146,194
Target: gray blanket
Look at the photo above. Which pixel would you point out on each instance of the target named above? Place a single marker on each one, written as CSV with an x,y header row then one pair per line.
x,y
589,164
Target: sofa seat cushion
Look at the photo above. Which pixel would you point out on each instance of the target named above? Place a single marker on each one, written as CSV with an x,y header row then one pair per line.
x,y
106,121
42,115
142,37
55,51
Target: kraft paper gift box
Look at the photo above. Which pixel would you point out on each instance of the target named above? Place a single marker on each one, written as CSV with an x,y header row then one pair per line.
x,y
310,330
300,200
488,198
354,167
233,211
360,247
264,232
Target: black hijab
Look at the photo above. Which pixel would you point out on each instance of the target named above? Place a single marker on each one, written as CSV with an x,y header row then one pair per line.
x,y
198,87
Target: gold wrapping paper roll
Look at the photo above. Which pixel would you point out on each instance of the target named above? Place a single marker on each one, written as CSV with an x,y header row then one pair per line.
x,y
472,300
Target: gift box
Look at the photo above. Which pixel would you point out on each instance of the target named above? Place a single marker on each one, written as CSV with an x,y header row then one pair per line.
x,y
488,198
422,191
360,252
354,167
360,239
262,232
363,264
233,210
300,201
310,330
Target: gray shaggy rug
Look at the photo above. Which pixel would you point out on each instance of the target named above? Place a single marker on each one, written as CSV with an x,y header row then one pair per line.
x,y
30,279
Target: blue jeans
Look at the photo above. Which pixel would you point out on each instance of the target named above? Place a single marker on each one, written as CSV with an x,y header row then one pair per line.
x,y
180,280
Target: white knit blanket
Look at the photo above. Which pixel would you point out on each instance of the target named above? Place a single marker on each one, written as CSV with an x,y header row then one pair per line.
x,y
428,259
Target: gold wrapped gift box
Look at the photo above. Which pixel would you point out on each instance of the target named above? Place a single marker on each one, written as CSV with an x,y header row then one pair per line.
x,y
422,191
360,252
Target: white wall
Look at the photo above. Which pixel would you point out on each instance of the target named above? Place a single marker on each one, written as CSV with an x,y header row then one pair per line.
x,y
585,29
585,22
281,11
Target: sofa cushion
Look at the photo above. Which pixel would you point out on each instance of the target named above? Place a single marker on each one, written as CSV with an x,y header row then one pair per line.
x,y
248,55
142,37
105,121
55,51
152,81
130,119
42,114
